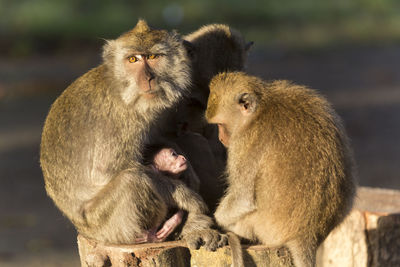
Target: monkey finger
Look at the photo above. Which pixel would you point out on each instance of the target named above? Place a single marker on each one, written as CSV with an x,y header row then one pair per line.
x,y
223,241
193,241
163,234
211,240
170,225
208,238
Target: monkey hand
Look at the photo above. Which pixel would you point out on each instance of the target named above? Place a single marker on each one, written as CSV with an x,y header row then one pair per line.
x,y
169,226
154,236
209,238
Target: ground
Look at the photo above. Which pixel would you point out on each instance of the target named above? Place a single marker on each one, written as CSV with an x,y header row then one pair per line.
x,y
363,83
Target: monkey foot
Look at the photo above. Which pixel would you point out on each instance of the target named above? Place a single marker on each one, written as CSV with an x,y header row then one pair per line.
x,y
210,239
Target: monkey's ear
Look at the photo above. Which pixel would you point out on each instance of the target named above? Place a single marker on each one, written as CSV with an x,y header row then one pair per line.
x,y
191,50
247,103
248,46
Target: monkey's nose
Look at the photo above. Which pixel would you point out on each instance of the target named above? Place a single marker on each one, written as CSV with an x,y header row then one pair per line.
x,y
151,78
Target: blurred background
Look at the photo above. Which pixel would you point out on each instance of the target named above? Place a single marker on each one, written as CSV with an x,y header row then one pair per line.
x,y
349,50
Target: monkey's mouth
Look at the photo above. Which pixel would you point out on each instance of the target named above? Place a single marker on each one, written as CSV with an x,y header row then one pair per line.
x,y
151,93
182,165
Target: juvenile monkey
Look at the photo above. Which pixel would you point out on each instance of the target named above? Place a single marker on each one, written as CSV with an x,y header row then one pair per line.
x,y
289,168
93,138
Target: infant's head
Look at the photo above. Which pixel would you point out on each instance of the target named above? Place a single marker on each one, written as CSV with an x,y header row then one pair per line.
x,y
166,159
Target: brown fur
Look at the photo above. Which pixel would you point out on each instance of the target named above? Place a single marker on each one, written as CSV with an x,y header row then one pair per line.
x,y
93,138
290,168
213,48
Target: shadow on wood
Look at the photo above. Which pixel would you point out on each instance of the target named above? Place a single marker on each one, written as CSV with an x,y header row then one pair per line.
x,y
174,254
368,237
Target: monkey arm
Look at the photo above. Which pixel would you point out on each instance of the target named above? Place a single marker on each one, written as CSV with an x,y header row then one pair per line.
x,y
235,204
177,194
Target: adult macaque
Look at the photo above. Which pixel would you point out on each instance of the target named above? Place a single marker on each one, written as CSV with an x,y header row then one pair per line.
x,y
289,168
93,137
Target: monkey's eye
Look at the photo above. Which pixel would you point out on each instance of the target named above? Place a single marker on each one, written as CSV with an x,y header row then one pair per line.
x,y
132,59
152,56
173,153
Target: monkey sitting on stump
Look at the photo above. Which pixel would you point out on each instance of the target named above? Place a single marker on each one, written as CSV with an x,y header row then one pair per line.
x,y
93,138
289,169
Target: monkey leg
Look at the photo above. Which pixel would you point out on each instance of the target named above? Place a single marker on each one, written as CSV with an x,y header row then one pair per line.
x,y
123,209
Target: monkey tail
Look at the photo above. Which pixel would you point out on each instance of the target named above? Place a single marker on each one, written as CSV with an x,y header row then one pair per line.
x,y
236,248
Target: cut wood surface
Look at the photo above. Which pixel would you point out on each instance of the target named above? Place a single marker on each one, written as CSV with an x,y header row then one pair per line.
x,y
369,237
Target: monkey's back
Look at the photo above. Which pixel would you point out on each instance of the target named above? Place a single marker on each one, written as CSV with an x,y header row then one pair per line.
x,y
74,134
306,164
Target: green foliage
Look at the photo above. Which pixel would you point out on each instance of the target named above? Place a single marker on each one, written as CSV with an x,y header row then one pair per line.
x,y
286,22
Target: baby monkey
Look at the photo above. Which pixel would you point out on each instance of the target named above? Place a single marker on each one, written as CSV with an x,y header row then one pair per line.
x,y
289,169
167,162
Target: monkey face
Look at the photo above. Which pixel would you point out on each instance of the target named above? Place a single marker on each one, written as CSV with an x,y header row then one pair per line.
x,y
169,161
141,67
231,105
149,67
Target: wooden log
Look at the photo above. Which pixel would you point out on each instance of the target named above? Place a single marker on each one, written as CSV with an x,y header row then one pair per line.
x,y
174,253
369,236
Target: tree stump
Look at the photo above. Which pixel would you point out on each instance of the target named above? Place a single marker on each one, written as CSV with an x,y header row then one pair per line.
x,y
369,236
174,254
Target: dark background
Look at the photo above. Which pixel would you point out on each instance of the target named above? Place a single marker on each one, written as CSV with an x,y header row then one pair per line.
x,y
349,50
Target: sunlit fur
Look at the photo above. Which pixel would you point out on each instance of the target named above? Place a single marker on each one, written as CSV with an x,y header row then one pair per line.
x,y
93,138
290,170
172,74
212,49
